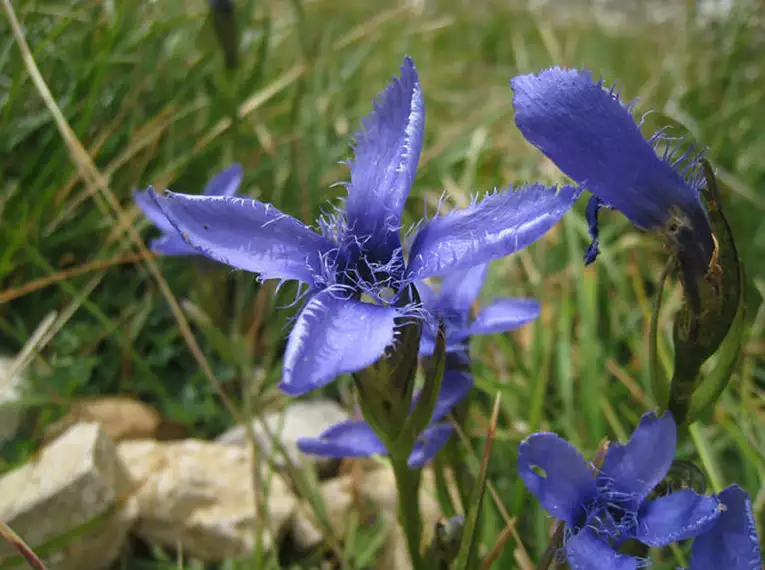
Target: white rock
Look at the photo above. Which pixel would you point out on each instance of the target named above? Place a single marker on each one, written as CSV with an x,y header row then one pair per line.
x,y
300,419
12,383
76,479
198,496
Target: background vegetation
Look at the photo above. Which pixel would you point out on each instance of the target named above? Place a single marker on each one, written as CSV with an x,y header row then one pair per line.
x,y
144,88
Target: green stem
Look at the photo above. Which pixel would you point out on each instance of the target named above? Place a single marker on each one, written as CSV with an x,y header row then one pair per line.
x,y
407,485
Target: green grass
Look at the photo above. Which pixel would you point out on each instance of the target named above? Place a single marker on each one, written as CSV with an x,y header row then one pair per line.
x,y
145,90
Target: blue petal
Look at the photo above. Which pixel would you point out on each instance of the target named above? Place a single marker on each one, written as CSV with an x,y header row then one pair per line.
x,y
732,542
585,551
556,473
460,289
498,225
679,516
247,234
428,444
592,137
325,341
226,182
454,387
593,208
504,315
387,151
630,471
172,244
346,439
152,211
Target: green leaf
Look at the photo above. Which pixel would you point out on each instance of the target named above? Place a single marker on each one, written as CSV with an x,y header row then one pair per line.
x,y
659,380
698,335
385,388
420,417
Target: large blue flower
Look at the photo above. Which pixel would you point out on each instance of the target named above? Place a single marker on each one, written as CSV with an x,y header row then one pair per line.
x,y
592,137
225,183
732,542
602,511
452,304
357,277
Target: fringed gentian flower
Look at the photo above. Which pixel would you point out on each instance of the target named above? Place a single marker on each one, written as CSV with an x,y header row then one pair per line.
x,y
592,137
604,510
225,183
732,543
354,268
452,303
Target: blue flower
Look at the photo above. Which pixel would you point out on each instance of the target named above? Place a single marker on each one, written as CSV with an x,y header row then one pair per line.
x,y
225,183
452,303
602,511
732,541
592,137
358,281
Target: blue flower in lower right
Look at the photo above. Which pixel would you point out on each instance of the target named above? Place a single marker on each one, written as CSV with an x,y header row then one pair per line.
x,y
731,543
603,510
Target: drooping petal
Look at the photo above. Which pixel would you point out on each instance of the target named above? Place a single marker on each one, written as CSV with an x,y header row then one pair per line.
x,y
556,473
387,150
247,234
172,244
679,516
732,542
630,471
428,444
504,315
346,439
152,211
460,289
226,182
333,336
454,387
585,551
498,225
592,137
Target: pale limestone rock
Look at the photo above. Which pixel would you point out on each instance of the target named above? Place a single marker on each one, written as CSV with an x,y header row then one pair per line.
x,y
198,495
300,419
76,479
122,418
12,383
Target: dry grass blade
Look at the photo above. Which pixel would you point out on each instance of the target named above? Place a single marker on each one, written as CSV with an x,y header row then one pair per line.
x,y
506,533
469,543
32,286
18,543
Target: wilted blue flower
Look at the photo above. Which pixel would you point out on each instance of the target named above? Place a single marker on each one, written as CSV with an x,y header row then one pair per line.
x,y
732,541
358,251
225,183
592,137
602,511
452,304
